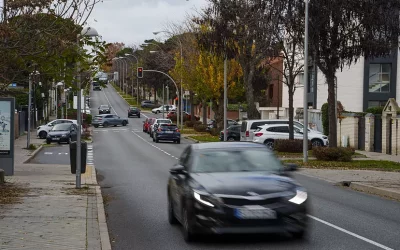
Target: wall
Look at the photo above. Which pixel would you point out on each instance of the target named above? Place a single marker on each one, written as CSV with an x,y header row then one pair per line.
x,y
348,127
275,88
350,89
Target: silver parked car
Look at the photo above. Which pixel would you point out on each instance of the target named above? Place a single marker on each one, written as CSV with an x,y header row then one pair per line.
x,y
109,120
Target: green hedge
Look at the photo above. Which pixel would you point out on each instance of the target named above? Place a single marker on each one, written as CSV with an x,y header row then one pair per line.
x,y
290,146
333,154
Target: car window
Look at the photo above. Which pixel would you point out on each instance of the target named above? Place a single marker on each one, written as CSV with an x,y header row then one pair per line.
x,y
115,117
163,121
168,126
272,129
104,107
62,127
256,124
108,116
282,129
238,160
298,124
183,160
133,108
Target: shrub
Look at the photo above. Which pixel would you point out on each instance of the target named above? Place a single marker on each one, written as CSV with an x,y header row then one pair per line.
x,y
290,146
189,124
333,154
200,127
375,110
214,131
88,119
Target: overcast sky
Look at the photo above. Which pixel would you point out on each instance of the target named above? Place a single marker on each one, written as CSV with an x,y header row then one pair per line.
x,y
133,21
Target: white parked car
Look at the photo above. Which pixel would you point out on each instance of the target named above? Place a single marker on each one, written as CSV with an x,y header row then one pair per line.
x,y
163,107
43,130
267,135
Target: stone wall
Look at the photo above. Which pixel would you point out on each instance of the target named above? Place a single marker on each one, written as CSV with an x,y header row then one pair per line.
x,y
348,128
369,132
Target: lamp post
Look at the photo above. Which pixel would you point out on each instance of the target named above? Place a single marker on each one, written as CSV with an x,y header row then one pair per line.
x,y
86,32
181,96
31,75
137,79
305,101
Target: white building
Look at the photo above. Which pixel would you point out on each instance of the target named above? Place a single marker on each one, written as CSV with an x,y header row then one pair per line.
x,y
367,83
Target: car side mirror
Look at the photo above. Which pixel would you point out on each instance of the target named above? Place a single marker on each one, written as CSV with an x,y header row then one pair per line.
x,y
178,170
290,167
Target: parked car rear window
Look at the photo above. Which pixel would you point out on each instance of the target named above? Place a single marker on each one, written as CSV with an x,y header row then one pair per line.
x,y
169,126
256,124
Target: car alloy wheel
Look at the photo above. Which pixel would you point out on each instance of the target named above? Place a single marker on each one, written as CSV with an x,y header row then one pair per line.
x,y
187,231
269,144
42,135
317,143
124,123
231,139
158,111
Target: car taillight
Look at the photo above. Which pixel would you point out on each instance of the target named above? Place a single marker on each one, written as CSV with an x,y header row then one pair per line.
x,y
247,133
258,134
178,130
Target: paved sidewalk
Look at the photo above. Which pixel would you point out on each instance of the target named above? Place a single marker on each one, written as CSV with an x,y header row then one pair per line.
x,y
53,214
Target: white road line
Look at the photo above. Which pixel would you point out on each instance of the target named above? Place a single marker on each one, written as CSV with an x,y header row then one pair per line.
x,y
48,153
154,146
109,103
350,233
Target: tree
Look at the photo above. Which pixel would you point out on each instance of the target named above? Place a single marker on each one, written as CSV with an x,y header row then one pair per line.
x,y
241,30
111,52
342,31
289,34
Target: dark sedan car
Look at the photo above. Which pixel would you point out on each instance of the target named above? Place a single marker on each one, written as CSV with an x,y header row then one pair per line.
x,y
236,187
233,133
167,132
104,109
64,132
133,111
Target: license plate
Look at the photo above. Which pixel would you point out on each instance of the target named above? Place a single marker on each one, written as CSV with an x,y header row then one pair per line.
x,y
255,212
55,139
169,132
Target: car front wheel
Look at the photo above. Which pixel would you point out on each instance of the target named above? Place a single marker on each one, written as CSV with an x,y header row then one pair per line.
x,y
124,123
42,135
317,143
171,215
188,234
269,144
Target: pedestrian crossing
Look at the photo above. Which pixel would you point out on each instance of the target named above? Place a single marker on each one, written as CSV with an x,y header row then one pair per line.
x,y
90,156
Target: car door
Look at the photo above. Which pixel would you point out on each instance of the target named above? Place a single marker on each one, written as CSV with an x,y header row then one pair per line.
x,y
116,120
282,132
109,119
179,182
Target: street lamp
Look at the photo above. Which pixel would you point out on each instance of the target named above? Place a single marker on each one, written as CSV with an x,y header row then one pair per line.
x,y
181,96
305,94
137,79
31,75
86,32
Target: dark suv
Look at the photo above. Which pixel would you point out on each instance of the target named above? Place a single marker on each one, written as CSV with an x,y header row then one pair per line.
x,y
133,111
148,104
104,109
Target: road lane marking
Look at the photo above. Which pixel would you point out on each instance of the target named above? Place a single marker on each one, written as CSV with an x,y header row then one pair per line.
x,y
350,233
109,103
48,153
154,146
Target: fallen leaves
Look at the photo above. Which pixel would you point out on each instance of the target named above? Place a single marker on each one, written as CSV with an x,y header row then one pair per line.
x,y
11,193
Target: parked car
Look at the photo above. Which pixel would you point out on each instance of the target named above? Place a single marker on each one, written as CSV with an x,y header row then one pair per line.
x,y
43,130
235,187
134,111
147,104
213,124
267,135
146,124
96,86
249,126
160,109
109,120
167,132
233,133
154,126
150,123
63,132
104,109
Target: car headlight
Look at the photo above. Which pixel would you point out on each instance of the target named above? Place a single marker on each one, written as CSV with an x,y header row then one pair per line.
x,y
300,197
198,197
64,136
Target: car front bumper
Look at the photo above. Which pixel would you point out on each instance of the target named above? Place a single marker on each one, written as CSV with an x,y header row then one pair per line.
x,y
222,220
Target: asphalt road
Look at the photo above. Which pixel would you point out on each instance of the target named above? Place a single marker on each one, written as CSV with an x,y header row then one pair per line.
x,y
133,172
57,154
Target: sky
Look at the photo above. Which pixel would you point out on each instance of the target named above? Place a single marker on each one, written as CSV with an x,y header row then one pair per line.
x,y
133,21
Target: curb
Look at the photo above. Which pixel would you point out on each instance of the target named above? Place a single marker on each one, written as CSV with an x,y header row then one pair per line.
x,y
375,190
31,156
101,215
190,139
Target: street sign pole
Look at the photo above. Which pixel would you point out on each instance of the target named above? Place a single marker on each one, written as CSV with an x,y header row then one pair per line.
x,y
28,138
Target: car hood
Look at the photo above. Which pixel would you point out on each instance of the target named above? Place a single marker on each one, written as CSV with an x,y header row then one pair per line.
x,y
243,182
58,132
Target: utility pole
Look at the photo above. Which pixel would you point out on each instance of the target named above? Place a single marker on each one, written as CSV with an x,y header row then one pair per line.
x,y
28,139
163,100
305,96
225,97
277,105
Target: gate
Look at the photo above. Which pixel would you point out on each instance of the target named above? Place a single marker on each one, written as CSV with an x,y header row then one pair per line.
x,y
378,134
361,133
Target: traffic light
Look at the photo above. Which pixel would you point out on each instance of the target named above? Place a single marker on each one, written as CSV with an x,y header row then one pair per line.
x,y
140,72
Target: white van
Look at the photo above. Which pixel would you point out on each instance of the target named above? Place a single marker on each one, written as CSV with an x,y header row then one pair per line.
x,y
249,126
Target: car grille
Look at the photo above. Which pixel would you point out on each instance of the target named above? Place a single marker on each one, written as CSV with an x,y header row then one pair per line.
x,y
246,202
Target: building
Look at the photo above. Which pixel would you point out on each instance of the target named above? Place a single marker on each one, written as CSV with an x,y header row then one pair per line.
x,y
367,83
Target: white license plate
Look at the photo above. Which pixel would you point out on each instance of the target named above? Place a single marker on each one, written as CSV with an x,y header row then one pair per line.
x,y
56,139
169,132
255,212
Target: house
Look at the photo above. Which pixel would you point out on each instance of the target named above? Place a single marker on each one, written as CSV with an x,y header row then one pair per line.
x,y
367,83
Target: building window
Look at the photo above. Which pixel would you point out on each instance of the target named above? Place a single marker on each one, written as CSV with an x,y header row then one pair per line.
x,y
379,78
374,104
300,79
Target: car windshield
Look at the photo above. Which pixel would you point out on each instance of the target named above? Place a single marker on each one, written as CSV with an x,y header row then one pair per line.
x,y
61,127
163,121
238,160
133,108
104,107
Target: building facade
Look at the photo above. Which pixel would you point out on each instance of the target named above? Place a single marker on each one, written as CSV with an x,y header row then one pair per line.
x,y
367,83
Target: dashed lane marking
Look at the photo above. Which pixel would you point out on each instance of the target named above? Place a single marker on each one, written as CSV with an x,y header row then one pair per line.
x,y
154,146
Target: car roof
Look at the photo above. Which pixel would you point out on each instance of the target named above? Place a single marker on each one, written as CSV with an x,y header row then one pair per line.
x,y
226,145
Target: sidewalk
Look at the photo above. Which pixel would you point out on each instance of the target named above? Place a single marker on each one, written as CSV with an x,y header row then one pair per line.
x,y
52,214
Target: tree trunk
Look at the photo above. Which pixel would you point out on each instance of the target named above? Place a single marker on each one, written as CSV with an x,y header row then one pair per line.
x,y
204,113
192,118
330,78
218,108
291,110
248,75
